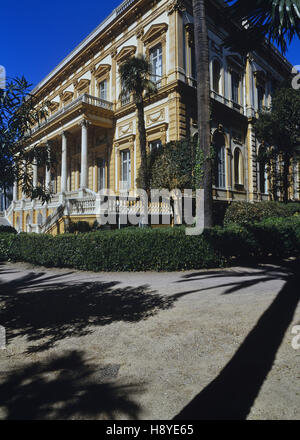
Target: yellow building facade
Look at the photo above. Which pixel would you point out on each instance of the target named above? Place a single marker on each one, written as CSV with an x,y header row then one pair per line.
x,y
94,134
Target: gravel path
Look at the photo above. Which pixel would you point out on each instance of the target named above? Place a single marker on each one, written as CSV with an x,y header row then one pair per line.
x,y
206,344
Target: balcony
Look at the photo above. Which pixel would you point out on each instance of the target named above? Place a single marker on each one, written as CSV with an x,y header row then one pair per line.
x,y
83,102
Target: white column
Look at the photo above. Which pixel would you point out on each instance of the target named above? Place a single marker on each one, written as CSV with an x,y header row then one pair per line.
x,y
84,155
47,178
64,169
15,192
24,172
47,170
34,173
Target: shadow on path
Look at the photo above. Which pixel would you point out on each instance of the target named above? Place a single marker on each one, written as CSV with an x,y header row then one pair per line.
x,y
47,309
233,392
66,387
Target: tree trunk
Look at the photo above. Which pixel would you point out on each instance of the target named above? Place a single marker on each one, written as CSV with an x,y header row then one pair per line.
x,y
142,140
203,104
5,197
285,183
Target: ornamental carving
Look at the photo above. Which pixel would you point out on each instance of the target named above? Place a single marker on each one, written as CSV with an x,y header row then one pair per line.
x,y
157,116
176,6
101,70
125,129
125,52
155,31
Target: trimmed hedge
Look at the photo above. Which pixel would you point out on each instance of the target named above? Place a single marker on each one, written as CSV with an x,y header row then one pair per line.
x,y
137,249
6,229
245,213
129,249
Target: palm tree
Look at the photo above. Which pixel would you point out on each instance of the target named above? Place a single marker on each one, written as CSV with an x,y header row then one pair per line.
x,y
279,20
276,20
134,75
203,105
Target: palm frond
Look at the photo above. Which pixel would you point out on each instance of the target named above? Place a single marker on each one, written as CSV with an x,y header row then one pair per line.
x,y
276,20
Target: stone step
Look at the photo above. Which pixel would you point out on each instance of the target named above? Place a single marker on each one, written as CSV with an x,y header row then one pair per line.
x,y
3,220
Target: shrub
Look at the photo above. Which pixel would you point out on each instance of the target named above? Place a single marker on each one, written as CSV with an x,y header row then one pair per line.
x,y
80,226
245,213
140,249
7,230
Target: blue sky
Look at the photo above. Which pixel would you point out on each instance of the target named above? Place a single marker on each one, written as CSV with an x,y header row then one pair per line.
x,y
36,35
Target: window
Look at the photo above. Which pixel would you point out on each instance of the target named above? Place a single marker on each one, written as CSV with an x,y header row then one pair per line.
x,y
216,76
101,174
125,170
125,99
155,145
103,90
235,87
156,64
220,165
238,167
260,98
263,177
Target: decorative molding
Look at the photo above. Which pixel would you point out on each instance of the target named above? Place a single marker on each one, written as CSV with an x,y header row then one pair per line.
x,y
156,116
53,106
154,32
66,96
125,52
139,32
176,6
162,128
125,129
83,84
127,141
102,70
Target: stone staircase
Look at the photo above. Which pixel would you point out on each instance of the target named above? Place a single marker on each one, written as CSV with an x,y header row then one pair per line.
x,y
3,220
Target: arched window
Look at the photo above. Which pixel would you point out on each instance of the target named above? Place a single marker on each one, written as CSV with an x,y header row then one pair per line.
x,y
220,164
238,167
216,76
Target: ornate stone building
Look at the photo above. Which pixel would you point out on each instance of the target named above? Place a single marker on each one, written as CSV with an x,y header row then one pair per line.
x,y
94,132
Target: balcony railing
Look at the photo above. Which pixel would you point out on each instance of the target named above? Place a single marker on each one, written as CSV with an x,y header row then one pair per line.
x,y
85,98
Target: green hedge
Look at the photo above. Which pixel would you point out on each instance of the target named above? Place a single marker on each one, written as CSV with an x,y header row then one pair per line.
x,y
245,213
135,249
4,229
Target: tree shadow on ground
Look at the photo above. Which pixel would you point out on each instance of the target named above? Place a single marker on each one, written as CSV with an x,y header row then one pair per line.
x,y
47,309
66,387
232,393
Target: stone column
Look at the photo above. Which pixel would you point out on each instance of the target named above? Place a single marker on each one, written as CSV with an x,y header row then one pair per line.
x,y
64,162
15,191
84,155
34,173
47,170
24,171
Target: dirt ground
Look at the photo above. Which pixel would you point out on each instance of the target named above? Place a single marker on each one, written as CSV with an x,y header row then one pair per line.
x,y
211,344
